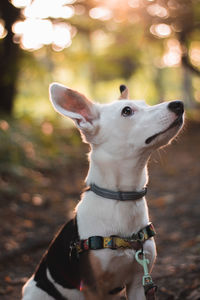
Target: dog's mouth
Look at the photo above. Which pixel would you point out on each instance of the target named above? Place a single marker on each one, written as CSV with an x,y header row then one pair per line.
x,y
177,122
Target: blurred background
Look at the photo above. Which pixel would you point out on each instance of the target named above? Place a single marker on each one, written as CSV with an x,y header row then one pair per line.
x,y
93,46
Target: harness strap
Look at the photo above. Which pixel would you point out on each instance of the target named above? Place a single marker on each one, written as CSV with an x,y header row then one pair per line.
x,y
151,292
47,286
115,242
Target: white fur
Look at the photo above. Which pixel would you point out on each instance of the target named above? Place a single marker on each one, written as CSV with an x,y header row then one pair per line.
x,y
31,291
118,161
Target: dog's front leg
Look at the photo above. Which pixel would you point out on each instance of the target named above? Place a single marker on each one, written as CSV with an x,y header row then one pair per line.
x,y
135,291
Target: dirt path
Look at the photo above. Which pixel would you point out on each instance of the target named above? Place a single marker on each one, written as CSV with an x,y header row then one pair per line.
x,y
174,203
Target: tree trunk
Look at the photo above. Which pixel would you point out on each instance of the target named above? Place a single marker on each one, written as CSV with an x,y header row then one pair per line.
x,y
9,58
188,89
159,85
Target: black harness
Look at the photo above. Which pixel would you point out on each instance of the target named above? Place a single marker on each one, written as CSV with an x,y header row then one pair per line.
x,y
64,271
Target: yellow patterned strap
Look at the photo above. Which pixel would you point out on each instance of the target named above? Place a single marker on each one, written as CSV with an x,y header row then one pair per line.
x,y
115,242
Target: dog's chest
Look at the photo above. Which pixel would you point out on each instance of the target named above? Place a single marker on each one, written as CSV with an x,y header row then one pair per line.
x,y
104,217
108,269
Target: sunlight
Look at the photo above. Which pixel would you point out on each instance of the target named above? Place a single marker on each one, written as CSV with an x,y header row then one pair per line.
x,y
4,125
157,10
161,30
25,3
3,31
36,30
134,3
115,9
48,8
34,33
172,57
194,53
101,13
61,37
20,3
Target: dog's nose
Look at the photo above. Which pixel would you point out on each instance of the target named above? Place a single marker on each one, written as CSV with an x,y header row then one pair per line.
x,y
177,107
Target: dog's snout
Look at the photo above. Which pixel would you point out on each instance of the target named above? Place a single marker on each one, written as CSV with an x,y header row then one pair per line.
x,y
177,107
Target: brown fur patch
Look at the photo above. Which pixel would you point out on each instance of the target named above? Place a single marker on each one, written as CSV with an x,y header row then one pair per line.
x,y
97,283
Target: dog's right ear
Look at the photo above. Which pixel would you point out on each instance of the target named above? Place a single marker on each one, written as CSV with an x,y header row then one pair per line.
x,y
74,105
124,92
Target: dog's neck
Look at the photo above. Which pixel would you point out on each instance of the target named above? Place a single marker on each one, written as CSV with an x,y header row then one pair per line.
x,y
118,174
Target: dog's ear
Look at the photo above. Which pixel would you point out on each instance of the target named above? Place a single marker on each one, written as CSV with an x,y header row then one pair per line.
x,y
74,105
124,92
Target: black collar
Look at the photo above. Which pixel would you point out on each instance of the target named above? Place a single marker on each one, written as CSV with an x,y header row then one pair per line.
x,y
121,196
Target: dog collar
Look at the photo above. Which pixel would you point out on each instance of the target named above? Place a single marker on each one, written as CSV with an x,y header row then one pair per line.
x,y
120,195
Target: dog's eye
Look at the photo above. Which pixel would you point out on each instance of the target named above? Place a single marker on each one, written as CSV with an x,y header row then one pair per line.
x,y
127,111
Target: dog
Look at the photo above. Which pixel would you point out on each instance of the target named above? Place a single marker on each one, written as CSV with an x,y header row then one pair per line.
x,y
93,256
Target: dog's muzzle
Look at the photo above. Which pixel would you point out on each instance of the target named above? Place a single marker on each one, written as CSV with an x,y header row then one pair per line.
x,y
176,107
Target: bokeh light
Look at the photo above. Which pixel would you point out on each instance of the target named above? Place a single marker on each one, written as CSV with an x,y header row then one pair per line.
x,y
161,30
21,3
172,56
3,31
48,8
157,10
36,31
134,3
101,13
194,53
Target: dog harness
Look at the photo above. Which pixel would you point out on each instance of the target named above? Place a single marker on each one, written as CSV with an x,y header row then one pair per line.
x,y
134,242
62,257
115,242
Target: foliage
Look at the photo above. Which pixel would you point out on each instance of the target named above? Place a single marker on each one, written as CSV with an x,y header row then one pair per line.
x,y
109,42
29,149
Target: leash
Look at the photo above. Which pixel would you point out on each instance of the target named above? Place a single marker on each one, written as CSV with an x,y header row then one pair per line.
x,y
147,282
119,195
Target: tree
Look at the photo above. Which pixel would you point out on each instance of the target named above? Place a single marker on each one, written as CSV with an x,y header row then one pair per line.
x,y
126,22
9,57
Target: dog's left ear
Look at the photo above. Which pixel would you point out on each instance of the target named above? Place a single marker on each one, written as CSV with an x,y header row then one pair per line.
x,y
124,92
74,105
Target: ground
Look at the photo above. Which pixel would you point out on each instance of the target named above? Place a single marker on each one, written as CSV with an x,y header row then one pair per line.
x,y
29,220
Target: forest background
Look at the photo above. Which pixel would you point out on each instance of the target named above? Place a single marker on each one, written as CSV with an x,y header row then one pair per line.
x,y
152,46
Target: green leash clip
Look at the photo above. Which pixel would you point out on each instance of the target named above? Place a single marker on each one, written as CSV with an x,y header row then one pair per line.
x,y
146,279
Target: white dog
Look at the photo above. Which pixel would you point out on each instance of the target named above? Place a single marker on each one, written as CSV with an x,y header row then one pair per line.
x,y
93,256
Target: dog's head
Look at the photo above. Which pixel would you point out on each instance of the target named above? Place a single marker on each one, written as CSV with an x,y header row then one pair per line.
x,y
120,127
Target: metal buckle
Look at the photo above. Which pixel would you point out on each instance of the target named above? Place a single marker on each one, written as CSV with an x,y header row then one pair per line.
x,y
95,242
141,236
73,250
133,238
137,237
113,243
